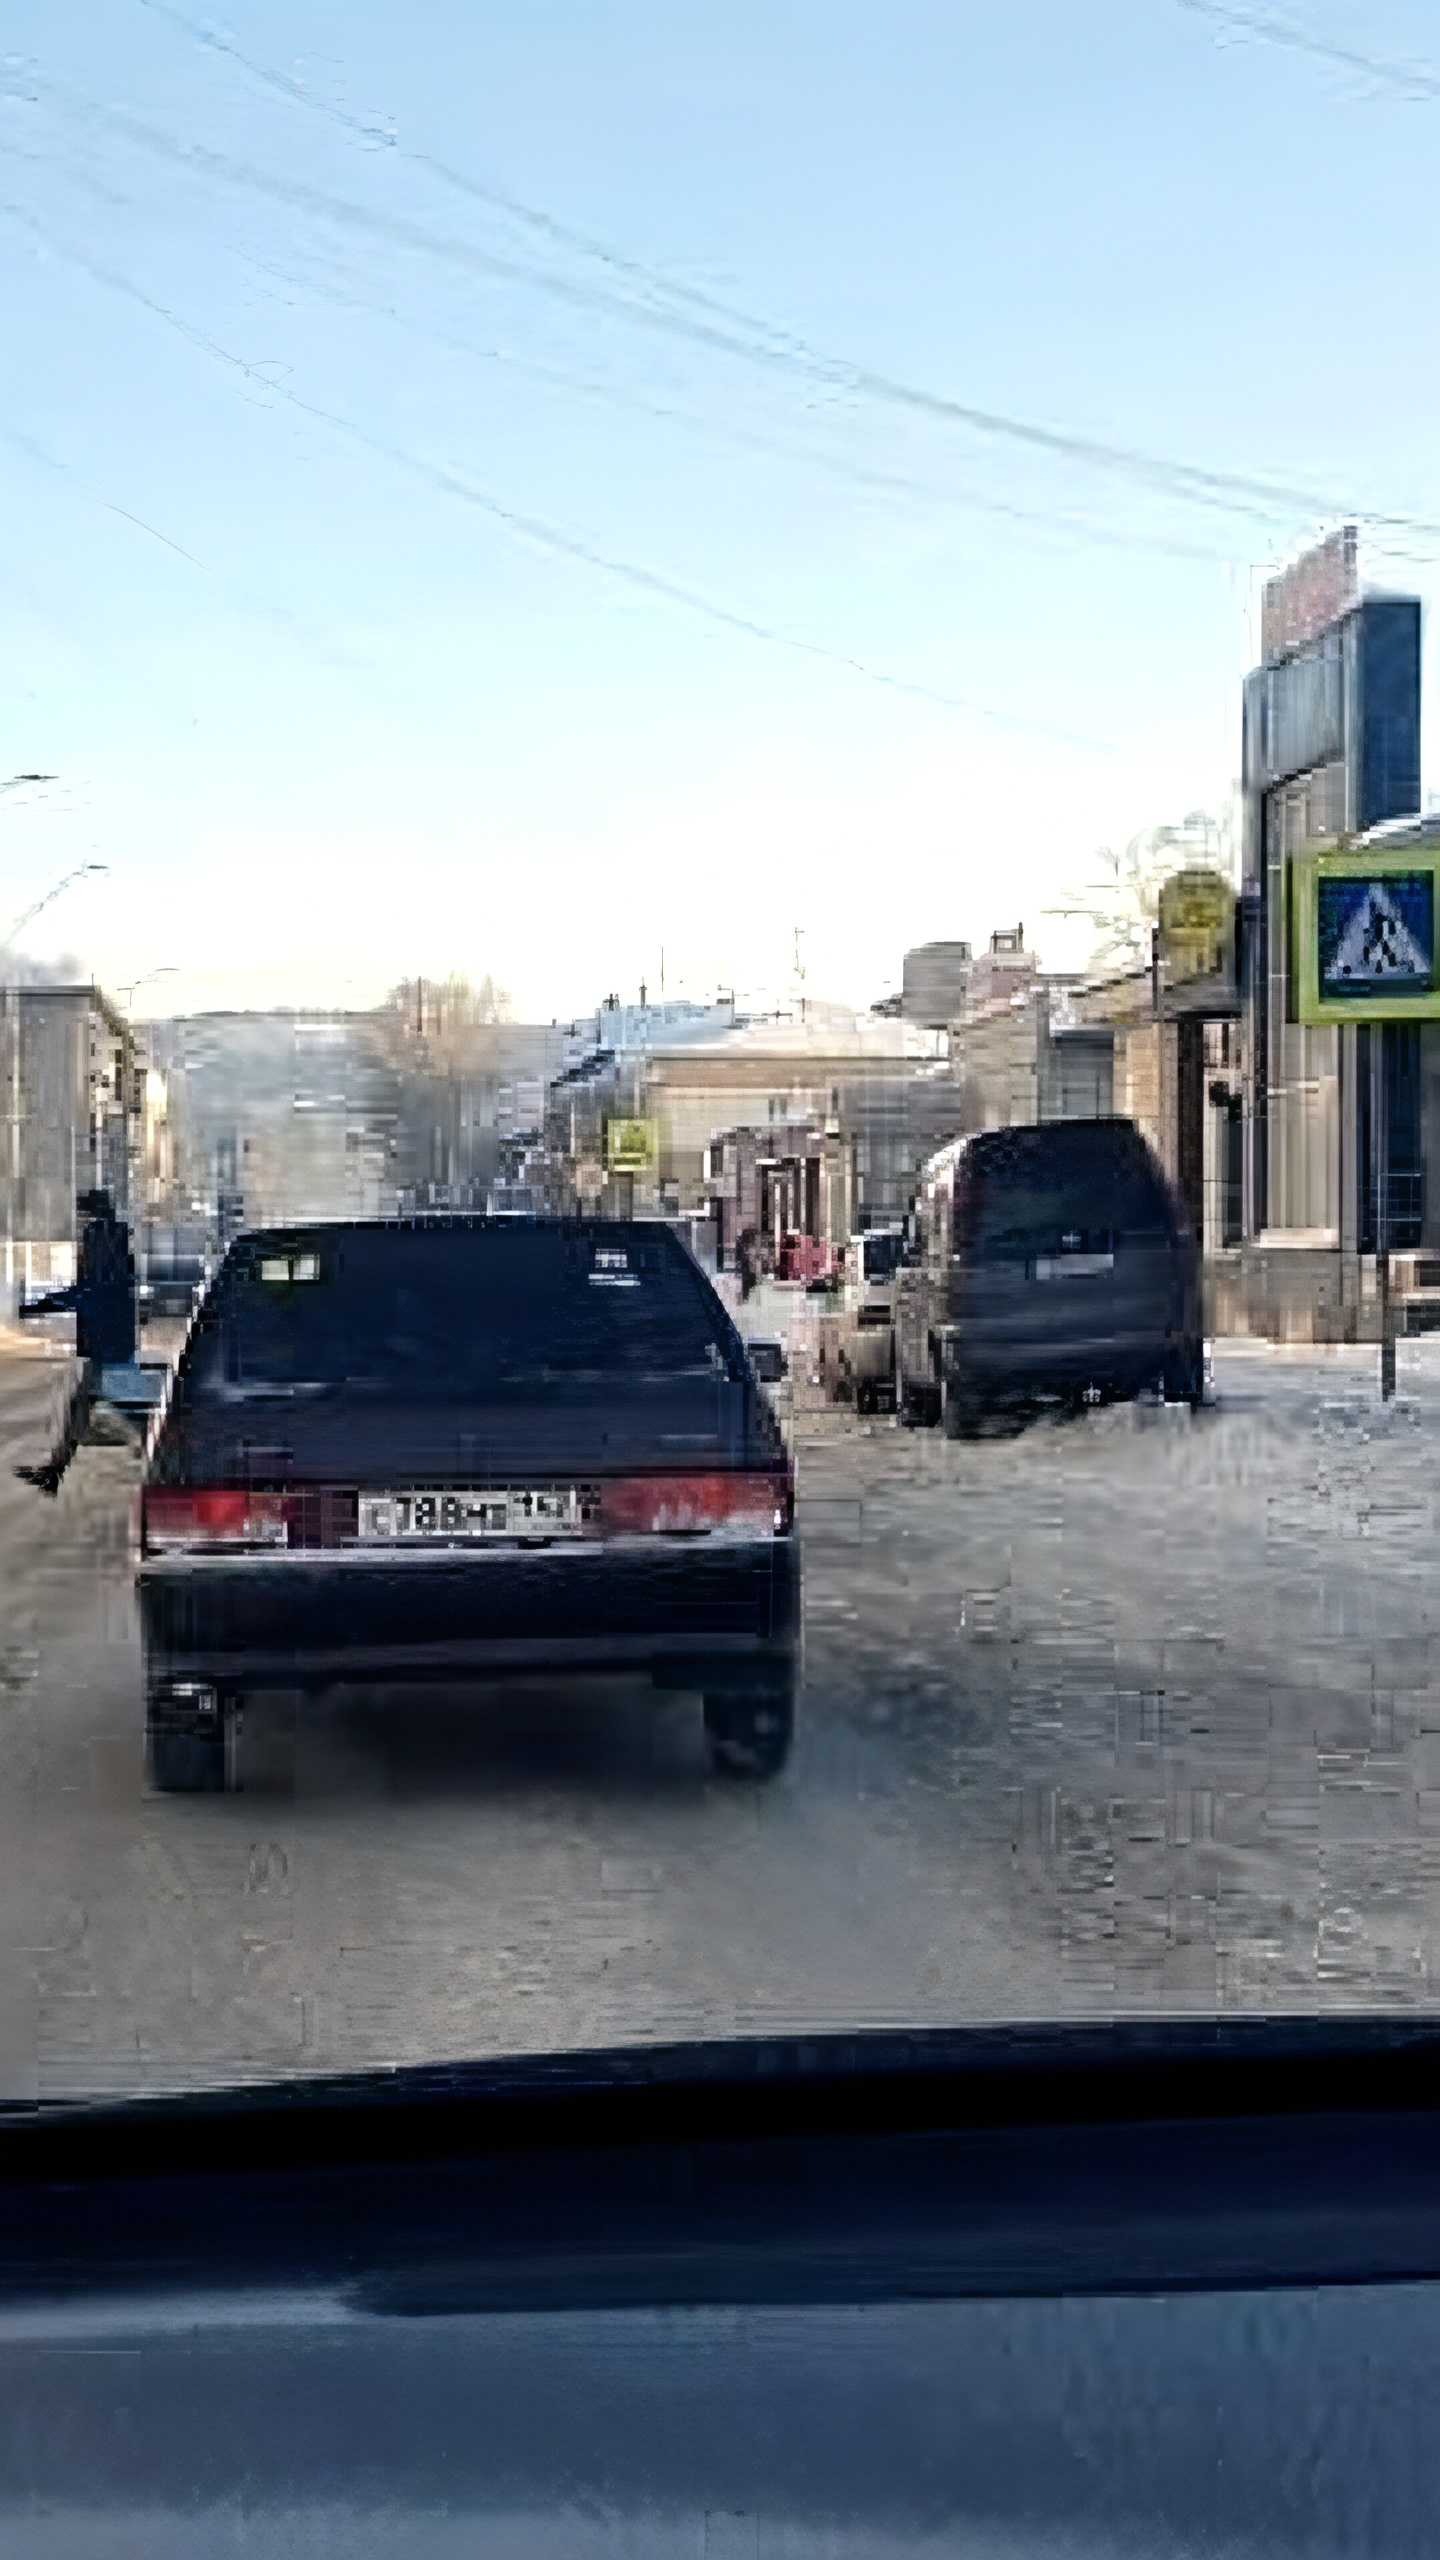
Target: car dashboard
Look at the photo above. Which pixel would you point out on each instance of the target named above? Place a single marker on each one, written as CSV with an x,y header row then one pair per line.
x,y
1080,2291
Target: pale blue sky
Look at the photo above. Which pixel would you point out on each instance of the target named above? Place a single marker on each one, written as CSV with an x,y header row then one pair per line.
x,y
519,488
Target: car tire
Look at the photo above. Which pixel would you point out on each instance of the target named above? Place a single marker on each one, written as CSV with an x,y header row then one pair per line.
x,y
191,1752
1183,1380
962,1412
749,1733
917,1406
930,1395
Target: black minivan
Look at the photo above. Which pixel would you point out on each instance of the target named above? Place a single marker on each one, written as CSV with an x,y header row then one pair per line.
x,y
449,1449
1054,1265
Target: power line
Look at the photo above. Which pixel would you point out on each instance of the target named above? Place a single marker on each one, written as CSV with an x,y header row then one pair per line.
x,y
1415,81
690,311
550,537
726,430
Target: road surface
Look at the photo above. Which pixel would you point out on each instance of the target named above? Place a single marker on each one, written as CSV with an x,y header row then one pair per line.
x,y
1137,1713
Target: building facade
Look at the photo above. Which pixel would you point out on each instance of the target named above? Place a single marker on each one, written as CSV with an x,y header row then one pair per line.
x,y
1339,1119
423,1104
80,1113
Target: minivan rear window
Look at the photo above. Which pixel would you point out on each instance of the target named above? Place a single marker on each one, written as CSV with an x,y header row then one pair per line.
x,y
428,1315
1070,1188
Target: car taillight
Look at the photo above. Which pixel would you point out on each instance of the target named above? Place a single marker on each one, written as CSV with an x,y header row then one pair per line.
x,y
752,1505
211,1516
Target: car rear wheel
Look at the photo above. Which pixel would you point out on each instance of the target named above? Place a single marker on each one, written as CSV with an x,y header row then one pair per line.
x,y
1183,1381
917,1400
962,1411
749,1734
191,1735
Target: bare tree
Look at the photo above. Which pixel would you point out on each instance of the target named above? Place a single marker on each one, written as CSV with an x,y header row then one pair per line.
x,y
488,1002
1121,902
431,1007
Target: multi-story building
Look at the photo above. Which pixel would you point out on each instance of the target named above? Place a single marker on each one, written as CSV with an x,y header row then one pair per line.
x,y
935,981
80,1113
1335,1094
1024,1046
811,1122
429,1102
276,1116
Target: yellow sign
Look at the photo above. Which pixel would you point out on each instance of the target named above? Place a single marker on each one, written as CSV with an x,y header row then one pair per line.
x,y
1197,923
629,1146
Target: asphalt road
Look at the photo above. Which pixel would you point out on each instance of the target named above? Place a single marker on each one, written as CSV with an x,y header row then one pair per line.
x,y
1136,1713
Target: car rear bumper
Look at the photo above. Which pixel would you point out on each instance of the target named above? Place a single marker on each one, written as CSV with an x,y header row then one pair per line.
x,y
979,1362
293,1621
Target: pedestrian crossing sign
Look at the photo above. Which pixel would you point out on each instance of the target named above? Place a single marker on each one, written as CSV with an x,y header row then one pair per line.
x,y
1377,937
1365,946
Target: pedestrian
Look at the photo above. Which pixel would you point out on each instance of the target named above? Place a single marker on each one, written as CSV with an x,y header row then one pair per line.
x,y
102,1300
745,1261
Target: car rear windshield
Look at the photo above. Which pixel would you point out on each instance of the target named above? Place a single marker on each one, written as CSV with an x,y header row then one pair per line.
x,y
1078,1188
470,1314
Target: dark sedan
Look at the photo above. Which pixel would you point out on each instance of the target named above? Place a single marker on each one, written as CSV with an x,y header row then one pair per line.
x,y
463,1448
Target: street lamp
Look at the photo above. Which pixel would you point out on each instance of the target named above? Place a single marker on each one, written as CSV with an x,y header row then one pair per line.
x,y
79,873
168,969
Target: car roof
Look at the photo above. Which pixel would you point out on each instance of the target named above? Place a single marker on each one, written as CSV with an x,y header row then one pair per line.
x,y
508,1222
1033,1137
1051,1137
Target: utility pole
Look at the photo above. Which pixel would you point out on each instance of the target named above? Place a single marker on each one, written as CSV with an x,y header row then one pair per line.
x,y
1380,1157
1157,1006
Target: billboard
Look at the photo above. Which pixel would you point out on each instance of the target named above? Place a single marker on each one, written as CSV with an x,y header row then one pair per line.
x,y
1316,591
1365,939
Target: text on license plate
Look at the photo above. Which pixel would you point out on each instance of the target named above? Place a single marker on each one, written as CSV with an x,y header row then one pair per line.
x,y
1073,1266
544,1513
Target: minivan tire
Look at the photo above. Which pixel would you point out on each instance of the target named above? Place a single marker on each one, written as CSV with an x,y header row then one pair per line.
x,y
749,1733
1183,1379
918,1404
963,1412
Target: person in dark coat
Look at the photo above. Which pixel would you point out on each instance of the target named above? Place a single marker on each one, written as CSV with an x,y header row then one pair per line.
x,y
745,1260
102,1301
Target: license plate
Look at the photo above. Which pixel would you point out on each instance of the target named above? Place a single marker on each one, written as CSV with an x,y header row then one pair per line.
x,y
1073,1266
419,1519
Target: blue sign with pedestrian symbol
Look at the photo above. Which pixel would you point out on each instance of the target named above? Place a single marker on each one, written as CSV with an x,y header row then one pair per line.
x,y
1377,936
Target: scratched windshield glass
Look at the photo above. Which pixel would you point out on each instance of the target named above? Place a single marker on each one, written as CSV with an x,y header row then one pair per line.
x,y
719,1025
